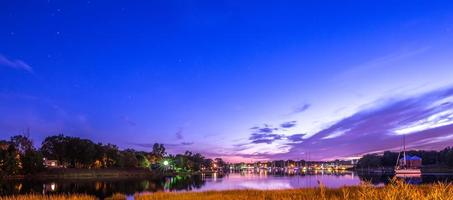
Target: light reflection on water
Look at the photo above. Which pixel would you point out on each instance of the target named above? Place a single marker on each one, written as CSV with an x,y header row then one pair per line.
x,y
264,181
246,180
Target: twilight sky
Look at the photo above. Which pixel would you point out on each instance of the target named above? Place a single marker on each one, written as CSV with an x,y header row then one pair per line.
x,y
244,80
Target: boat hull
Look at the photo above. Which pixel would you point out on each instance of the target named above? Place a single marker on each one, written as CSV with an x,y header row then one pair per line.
x,y
408,172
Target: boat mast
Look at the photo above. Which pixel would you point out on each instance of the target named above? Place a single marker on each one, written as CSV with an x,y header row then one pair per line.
x,y
404,150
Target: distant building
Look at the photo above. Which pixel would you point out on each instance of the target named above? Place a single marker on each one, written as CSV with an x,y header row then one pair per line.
x,y
411,162
51,163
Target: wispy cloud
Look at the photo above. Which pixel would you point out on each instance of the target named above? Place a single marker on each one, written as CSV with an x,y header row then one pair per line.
x,y
380,62
300,109
427,119
179,135
265,129
290,124
267,138
296,137
424,118
15,64
263,134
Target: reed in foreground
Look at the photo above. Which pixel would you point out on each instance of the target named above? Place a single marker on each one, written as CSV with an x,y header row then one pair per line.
x,y
61,197
49,197
394,191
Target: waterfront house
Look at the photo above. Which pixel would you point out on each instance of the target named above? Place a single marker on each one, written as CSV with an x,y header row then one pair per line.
x,y
411,162
51,163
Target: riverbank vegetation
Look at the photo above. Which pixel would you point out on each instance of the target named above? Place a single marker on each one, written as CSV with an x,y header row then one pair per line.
x,y
393,191
438,159
50,197
19,157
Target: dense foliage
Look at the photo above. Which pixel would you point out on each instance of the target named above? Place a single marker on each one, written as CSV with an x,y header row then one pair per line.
x,y
18,156
388,159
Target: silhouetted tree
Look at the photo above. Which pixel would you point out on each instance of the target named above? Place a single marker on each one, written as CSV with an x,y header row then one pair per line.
x,y
55,147
128,159
110,155
445,156
32,162
11,161
198,160
207,164
142,161
389,158
22,143
220,163
370,160
70,151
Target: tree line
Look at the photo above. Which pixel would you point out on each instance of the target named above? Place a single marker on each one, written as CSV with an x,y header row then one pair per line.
x,y
18,156
388,159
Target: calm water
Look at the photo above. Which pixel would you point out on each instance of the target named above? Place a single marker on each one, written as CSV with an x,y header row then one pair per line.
x,y
246,180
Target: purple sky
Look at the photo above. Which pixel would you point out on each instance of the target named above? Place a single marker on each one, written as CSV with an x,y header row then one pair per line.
x,y
240,80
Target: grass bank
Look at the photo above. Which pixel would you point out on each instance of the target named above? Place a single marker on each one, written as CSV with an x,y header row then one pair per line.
x,y
110,173
394,191
49,197
60,197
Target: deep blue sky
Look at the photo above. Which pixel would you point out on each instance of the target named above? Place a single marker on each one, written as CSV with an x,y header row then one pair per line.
x,y
239,79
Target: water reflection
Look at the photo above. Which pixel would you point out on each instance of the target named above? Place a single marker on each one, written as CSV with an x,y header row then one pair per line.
x,y
100,189
377,179
243,180
179,183
281,180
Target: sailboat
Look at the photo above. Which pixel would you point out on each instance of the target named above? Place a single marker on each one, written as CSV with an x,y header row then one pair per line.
x,y
404,169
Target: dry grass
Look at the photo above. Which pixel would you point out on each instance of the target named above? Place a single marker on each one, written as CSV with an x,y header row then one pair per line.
x,y
61,197
395,191
49,197
117,196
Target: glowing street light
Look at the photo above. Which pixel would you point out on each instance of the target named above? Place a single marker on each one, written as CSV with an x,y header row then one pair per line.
x,y
166,162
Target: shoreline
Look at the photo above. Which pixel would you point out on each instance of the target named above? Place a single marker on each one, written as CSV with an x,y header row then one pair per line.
x,y
87,174
118,174
99,174
426,170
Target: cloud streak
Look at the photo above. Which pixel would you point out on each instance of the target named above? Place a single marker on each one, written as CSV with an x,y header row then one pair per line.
x,y
267,138
301,109
296,137
290,124
15,64
265,129
381,62
426,119
179,135
264,135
